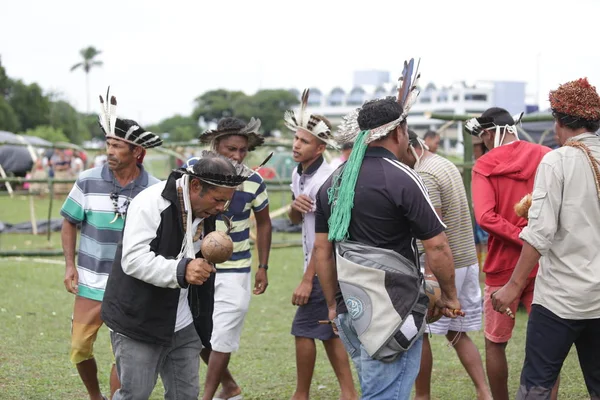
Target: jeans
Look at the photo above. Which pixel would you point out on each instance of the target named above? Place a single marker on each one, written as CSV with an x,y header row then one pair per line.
x,y
549,340
139,363
379,380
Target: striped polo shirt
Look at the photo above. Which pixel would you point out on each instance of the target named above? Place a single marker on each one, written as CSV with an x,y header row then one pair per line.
x,y
447,192
89,205
250,196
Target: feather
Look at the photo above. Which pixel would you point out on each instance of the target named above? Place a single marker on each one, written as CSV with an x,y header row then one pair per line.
x,y
303,115
405,79
290,120
112,113
252,127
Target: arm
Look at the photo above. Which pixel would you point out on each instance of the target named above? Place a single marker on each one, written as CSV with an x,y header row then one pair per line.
x,y
139,261
300,205
440,262
325,267
73,214
484,204
302,293
428,272
263,243
68,236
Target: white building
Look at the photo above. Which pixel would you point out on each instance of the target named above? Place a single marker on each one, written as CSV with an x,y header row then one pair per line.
x,y
459,98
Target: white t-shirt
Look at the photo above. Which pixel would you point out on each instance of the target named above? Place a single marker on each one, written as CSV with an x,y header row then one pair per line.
x,y
184,314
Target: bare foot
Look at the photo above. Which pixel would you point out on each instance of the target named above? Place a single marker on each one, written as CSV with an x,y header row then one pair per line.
x,y
229,393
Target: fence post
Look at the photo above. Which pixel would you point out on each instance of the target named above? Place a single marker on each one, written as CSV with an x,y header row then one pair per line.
x,y
51,184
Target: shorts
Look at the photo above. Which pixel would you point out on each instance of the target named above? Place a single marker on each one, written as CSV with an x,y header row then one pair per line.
x,y
306,322
85,324
232,299
469,295
499,327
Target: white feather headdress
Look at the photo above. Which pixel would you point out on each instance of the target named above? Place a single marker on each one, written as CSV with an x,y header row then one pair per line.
x,y
407,96
314,124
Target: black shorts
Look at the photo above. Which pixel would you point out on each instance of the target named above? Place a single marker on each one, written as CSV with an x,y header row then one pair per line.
x,y
306,322
549,340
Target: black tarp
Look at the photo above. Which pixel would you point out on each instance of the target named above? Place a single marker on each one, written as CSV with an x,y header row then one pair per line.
x,y
16,160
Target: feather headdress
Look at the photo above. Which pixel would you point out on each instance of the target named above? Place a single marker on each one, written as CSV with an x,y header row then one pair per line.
x,y
123,129
494,118
316,125
242,172
407,96
250,131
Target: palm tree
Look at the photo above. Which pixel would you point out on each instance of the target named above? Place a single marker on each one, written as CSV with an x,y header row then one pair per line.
x,y
88,54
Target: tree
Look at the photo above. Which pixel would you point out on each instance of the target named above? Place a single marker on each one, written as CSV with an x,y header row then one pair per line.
x,y
178,128
216,104
5,81
29,104
90,123
65,118
47,132
8,118
88,55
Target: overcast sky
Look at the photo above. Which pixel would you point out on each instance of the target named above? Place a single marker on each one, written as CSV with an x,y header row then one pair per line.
x,y
159,55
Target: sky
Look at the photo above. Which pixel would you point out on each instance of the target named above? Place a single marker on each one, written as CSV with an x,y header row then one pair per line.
x,y
160,55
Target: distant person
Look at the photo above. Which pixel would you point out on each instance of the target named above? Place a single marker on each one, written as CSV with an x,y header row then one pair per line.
x,y
432,140
98,203
563,234
501,178
346,150
447,194
310,141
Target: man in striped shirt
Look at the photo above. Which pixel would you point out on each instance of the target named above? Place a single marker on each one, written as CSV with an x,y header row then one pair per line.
x,y
233,138
449,198
98,203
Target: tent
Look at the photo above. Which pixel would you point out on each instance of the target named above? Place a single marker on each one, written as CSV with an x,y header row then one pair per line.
x,y
18,160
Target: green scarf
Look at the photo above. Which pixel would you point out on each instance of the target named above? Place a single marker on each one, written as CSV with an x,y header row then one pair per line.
x,y
341,192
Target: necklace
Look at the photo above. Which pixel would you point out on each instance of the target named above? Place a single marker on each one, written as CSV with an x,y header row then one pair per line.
x,y
184,216
120,211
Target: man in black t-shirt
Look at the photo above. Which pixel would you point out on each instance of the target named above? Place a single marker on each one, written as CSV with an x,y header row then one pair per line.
x,y
390,209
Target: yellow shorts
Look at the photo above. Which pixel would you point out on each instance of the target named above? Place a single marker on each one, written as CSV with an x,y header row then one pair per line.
x,y
85,324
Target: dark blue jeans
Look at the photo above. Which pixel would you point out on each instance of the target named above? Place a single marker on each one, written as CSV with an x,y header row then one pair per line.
x,y
549,340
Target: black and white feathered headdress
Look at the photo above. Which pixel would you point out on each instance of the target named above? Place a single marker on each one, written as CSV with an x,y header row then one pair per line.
x,y
407,96
250,131
317,125
124,129
497,119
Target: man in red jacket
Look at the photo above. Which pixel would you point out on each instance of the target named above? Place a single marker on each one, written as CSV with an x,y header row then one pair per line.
x,y
501,178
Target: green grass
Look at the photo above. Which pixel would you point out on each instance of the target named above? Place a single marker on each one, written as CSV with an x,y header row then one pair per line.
x,y
35,313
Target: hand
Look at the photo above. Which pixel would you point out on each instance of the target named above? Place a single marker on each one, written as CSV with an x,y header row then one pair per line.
x,y
503,298
198,271
71,279
302,293
261,281
332,317
303,204
450,307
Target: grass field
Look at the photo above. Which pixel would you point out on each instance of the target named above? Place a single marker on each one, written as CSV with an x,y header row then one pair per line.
x,y
35,313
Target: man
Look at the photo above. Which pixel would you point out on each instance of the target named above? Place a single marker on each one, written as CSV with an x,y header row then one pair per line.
x,y
389,211
233,139
447,194
99,203
563,235
307,178
432,140
159,265
501,177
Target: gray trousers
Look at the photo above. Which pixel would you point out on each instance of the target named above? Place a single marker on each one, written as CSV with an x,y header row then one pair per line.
x,y
139,363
